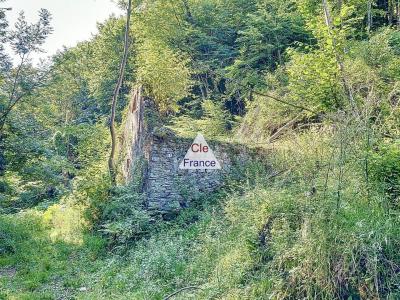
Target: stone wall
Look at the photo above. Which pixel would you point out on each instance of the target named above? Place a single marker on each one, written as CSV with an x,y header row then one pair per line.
x,y
155,152
169,188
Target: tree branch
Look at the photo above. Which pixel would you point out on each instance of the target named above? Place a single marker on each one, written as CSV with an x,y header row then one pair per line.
x,y
283,101
284,127
339,60
7,111
12,93
181,290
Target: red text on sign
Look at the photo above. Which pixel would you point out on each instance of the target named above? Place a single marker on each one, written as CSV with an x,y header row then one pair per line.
x,y
199,148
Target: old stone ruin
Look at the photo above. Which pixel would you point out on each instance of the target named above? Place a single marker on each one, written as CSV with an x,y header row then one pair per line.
x,y
153,152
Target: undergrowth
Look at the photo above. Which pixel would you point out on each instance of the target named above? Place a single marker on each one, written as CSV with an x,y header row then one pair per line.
x,y
279,234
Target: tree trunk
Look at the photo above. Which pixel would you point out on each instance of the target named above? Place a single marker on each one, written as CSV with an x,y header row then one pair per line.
x,y
339,5
339,59
188,13
111,160
390,9
369,16
2,156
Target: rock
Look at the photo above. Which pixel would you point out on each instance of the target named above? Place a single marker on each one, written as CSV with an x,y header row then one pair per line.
x,y
162,132
7,272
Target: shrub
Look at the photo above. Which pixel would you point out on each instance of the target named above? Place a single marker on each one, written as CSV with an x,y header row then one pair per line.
x,y
66,222
385,169
123,217
18,232
214,121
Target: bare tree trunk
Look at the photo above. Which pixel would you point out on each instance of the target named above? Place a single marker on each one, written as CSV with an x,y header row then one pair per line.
x,y
340,3
111,160
390,12
341,169
398,14
283,128
189,16
369,16
2,156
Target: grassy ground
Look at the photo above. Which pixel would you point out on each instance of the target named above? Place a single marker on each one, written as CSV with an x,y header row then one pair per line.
x,y
285,235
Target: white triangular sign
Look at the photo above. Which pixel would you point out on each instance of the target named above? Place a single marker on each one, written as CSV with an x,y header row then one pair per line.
x,y
199,156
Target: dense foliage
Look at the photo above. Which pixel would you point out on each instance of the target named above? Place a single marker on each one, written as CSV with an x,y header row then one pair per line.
x,y
314,83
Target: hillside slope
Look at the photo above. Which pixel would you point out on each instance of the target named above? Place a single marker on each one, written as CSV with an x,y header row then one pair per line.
x,y
314,84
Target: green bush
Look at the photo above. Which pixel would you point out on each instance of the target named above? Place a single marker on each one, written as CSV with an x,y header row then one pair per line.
x,y
18,232
394,42
215,122
385,169
123,217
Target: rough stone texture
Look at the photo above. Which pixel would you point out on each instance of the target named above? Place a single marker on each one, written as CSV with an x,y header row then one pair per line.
x,y
155,152
168,187
132,141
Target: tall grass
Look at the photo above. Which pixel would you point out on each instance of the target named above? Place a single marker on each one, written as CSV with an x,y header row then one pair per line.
x,y
316,226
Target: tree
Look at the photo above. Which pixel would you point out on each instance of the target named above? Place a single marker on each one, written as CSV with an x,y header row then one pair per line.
x,y
262,42
111,160
22,80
